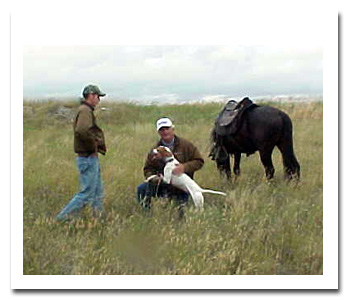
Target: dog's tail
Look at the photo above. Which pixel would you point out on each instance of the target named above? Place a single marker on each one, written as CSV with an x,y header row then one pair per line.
x,y
213,192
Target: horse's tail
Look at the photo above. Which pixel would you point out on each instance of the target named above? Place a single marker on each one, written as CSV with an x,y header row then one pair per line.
x,y
285,145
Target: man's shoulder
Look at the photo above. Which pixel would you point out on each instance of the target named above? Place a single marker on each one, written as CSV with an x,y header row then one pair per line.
x,y
84,111
84,108
184,142
155,145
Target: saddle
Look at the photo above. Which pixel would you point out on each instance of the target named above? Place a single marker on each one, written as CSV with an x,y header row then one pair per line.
x,y
228,123
231,117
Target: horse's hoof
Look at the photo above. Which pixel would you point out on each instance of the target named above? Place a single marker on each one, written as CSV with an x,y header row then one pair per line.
x,y
270,181
237,172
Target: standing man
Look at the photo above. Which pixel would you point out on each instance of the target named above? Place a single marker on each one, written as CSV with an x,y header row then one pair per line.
x,y
88,142
184,151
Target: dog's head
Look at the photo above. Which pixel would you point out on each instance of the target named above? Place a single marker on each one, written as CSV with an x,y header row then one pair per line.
x,y
162,153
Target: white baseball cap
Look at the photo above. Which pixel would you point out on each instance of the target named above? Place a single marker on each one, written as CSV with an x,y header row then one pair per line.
x,y
164,122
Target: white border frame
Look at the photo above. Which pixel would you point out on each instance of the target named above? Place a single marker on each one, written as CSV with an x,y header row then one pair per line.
x,y
22,28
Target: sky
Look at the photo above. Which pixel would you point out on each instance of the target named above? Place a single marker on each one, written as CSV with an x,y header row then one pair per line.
x,y
173,73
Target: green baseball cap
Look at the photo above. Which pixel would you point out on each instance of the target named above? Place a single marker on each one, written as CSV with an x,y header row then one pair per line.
x,y
92,89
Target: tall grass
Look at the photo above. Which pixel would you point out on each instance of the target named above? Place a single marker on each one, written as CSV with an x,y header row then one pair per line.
x,y
259,228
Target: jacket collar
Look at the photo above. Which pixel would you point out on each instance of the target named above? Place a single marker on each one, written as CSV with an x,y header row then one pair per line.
x,y
87,104
176,141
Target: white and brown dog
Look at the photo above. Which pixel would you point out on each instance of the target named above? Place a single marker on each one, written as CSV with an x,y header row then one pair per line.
x,y
183,181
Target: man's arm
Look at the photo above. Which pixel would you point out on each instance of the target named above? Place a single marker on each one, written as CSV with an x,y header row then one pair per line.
x,y
84,123
196,161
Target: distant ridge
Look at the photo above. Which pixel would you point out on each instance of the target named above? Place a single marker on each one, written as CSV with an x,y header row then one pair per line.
x,y
173,100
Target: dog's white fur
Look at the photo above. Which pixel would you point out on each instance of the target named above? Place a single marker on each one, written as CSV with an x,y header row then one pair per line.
x,y
183,181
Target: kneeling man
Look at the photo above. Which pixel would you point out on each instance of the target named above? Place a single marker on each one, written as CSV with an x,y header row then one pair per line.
x,y
184,151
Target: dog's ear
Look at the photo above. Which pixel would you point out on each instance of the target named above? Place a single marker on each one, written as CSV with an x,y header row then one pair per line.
x,y
155,154
160,150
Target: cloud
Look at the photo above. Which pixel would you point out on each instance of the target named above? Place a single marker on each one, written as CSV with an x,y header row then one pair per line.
x,y
132,72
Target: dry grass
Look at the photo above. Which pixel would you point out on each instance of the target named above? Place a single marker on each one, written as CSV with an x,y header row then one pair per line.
x,y
258,228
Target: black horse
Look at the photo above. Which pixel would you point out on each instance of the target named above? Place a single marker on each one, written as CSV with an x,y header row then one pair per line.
x,y
245,128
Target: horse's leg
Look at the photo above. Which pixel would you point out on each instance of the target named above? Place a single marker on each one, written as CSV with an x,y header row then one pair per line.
x,y
290,163
265,157
237,161
225,167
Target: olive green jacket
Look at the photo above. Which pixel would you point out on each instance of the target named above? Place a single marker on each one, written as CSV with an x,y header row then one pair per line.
x,y
184,151
88,137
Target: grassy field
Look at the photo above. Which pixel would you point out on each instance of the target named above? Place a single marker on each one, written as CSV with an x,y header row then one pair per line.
x,y
259,228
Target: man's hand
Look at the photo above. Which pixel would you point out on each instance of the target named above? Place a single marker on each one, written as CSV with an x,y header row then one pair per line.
x,y
179,169
98,143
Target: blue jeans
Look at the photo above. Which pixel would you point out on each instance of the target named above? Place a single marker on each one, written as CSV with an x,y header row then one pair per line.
x,y
91,191
147,190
